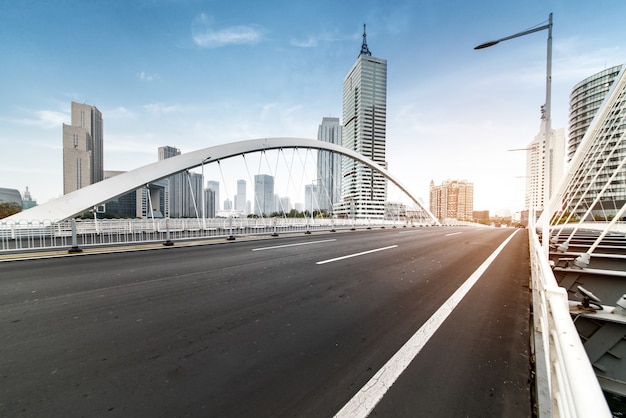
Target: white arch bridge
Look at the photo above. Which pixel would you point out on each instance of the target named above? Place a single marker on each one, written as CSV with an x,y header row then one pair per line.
x,y
86,198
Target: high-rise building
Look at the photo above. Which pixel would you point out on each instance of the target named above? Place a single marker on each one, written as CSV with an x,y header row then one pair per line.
x,y
453,199
285,204
311,199
329,165
535,168
363,191
263,195
584,101
596,126
215,186
240,197
83,162
192,195
209,201
175,185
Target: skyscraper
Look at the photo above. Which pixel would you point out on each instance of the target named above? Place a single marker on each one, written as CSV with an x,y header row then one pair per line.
x,y
176,185
263,194
329,165
535,169
215,186
240,197
83,163
311,198
363,191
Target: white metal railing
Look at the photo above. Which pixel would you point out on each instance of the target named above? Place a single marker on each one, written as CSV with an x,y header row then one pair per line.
x,y
29,235
566,383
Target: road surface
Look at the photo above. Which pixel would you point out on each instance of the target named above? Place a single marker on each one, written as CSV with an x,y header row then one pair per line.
x,y
283,327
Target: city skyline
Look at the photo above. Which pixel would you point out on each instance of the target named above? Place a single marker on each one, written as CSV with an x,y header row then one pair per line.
x,y
179,74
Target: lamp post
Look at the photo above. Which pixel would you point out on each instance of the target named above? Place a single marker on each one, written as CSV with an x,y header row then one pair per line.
x,y
203,197
547,126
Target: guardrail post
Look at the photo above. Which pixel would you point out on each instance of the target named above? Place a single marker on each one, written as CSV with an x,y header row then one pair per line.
x,y
75,248
231,237
168,242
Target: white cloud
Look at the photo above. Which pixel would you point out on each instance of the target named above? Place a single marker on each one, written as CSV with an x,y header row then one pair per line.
x,y
46,119
160,108
207,36
310,42
147,77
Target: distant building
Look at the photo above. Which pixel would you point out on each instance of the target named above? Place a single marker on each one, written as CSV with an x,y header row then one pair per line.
x,y
364,191
481,215
209,201
151,200
175,185
27,201
329,165
145,202
124,206
192,195
215,187
263,194
83,163
184,189
240,197
311,199
10,196
285,204
453,199
535,168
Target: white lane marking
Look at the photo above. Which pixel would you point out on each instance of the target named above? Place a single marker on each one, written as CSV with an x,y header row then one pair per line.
x,y
355,255
453,233
292,245
363,403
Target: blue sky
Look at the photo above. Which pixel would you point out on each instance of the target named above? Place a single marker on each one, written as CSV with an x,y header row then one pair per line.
x,y
196,73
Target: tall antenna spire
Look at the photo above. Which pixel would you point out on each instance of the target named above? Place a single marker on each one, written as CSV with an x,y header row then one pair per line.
x,y
364,49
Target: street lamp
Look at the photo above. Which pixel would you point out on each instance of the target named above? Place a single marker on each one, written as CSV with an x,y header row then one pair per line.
x,y
203,197
548,129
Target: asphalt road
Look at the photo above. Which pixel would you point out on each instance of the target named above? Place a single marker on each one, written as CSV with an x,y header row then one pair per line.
x,y
279,327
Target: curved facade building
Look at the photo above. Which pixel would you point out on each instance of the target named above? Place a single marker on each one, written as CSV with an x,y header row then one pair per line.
x,y
10,196
584,102
598,128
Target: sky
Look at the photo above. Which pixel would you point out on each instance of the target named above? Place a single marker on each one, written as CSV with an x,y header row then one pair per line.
x,y
197,73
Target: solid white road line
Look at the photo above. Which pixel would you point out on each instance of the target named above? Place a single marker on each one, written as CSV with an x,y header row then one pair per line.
x,y
292,245
368,397
355,255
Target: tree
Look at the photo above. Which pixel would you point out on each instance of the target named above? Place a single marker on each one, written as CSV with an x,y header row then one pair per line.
x,y
9,208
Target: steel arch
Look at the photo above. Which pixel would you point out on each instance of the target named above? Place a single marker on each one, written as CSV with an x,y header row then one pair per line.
x,y
86,198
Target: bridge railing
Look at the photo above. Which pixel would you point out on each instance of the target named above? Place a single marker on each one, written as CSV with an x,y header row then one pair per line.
x,y
566,384
32,235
